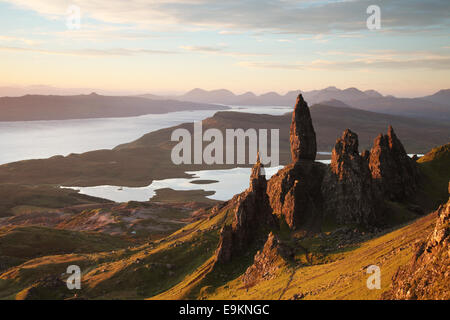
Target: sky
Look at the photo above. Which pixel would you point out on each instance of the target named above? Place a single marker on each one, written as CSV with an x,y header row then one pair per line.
x,y
172,46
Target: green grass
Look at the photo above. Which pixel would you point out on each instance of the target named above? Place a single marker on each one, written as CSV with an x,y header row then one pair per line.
x,y
435,167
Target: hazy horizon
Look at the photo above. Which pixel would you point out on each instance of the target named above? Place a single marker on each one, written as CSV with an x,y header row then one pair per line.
x,y
271,45
17,91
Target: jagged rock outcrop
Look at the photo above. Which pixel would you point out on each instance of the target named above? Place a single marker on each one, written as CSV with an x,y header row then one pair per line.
x,y
347,188
304,192
266,261
427,275
302,135
394,172
251,214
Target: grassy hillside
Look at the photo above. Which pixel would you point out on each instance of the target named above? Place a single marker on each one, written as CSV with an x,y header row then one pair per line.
x,y
19,244
180,266
16,199
435,167
343,276
325,265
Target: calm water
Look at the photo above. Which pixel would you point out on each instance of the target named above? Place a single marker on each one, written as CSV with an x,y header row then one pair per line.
x,y
230,182
23,140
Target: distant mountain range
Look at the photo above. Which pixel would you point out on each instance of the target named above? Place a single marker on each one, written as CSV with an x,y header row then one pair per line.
x,y
436,106
40,107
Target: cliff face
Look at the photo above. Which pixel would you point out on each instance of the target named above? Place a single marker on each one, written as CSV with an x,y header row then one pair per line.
x,y
427,275
348,191
394,172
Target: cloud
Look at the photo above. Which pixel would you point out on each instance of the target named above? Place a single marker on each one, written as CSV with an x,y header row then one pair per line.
x,y
385,60
18,39
203,49
97,33
230,32
87,52
219,51
284,16
272,65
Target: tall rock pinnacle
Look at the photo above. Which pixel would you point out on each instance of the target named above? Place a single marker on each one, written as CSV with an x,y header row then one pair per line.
x,y
302,135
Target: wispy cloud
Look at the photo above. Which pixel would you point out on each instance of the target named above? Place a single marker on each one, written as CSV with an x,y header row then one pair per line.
x,y
220,50
98,33
387,60
203,49
87,52
10,39
302,17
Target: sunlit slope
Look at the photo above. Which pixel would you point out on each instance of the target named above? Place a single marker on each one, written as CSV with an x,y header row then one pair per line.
x,y
181,266
135,272
344,278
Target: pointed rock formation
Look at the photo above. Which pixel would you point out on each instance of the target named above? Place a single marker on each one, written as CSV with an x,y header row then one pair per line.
x,y
252,212
266,261
349,195
302,135
258,182
427,275
394,172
